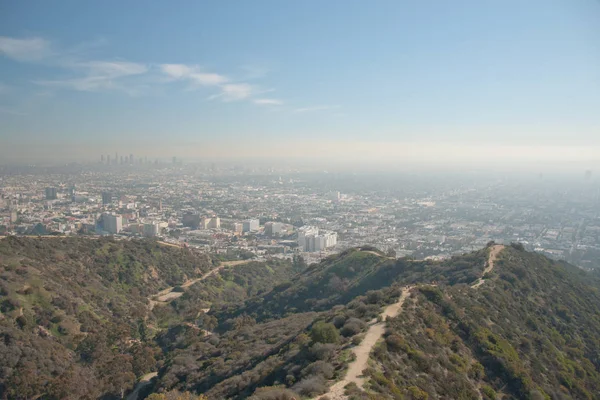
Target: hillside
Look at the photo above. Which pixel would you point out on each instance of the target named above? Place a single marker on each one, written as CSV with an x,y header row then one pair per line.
x,y
78,322
340,278
74,312
268,339
530,331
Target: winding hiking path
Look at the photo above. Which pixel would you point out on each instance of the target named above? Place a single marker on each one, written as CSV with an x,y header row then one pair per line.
x,y
493,256
362,351
166,295
142,383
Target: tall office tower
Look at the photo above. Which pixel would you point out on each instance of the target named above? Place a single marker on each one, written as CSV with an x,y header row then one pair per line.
x,y
151,230
121,160
191,220
106,198
273,228
174,160
303,233
131,159
107,159
112,223
51,193
588,175
312,239
102,158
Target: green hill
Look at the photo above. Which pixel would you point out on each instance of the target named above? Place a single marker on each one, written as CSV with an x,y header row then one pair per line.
x,y
77,322
74,312
532,331
340,278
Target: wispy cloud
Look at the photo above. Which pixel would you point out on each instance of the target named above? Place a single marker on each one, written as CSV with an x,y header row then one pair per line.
x,y
235,91
99,76
228,89
268,102
316,108
81,73
112,69
193,74
30,49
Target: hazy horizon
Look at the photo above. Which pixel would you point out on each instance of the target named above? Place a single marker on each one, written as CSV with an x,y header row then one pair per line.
x,y
500,84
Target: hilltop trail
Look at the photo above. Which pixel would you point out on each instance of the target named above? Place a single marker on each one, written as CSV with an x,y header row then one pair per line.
x,y
362,351
377,254
166,295
493,256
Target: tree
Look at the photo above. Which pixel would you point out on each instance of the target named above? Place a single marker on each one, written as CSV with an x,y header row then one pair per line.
x,y
117,375
143,359
324,332
298,263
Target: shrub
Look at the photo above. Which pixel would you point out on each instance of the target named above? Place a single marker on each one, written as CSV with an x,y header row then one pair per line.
x,y
476,371
339,320
397,343
374,297
273,393
319,368
311,386
352,327
417,393
322,351
488,392
324,332
517,246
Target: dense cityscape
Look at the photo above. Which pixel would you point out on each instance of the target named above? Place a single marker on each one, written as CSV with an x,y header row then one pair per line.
x,y
242,212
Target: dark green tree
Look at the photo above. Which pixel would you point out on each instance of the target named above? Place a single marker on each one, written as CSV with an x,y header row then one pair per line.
x,y
324,332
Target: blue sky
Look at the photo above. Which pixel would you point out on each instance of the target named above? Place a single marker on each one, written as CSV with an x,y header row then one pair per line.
x,y
271,76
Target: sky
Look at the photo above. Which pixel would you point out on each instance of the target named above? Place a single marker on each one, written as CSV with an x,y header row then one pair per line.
x,y
444,82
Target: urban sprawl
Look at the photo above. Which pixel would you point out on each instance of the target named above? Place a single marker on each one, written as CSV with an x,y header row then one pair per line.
x,y
268,212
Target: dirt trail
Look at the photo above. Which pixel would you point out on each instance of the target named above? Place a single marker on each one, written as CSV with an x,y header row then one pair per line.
x,y
493,256
362,351
166,295
377,254
142,383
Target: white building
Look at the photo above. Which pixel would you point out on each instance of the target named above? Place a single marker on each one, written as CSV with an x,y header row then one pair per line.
x,y
273,228
310,239
335,197
330,239
214,223
250,225
204,223
303,233
112,223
